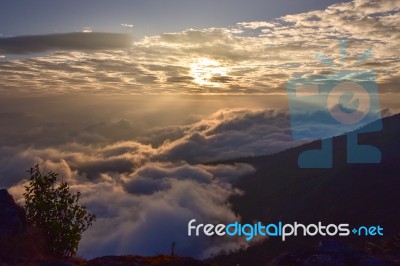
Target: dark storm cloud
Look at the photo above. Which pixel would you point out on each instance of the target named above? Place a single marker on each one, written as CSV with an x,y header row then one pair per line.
x,y
77,41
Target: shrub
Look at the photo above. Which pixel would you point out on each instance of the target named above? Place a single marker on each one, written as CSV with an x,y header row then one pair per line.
x,y
56,212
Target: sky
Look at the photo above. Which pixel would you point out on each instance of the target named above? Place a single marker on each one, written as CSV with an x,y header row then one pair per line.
x,y
245,57
24,17
128,100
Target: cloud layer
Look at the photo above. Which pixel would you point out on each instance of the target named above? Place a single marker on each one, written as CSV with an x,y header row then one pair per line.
x,y
224,135
145,194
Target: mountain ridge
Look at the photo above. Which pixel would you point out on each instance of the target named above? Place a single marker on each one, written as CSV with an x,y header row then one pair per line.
x,y
357,194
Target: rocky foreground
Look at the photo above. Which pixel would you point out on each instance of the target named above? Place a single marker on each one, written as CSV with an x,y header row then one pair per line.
x,y
20,247
110,261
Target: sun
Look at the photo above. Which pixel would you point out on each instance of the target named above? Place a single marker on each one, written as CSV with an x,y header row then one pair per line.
x,y
208,72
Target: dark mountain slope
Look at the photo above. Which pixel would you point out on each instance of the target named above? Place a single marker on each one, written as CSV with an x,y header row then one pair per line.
x,y
354,193
358,194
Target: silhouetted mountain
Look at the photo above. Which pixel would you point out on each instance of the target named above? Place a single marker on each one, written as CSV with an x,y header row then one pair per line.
x,y
330,253
358,194
12,216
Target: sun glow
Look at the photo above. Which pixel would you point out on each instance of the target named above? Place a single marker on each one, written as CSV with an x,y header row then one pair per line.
x,y
208,72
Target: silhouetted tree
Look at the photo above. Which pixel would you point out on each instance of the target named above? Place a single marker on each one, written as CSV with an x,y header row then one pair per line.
x,y
56,212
